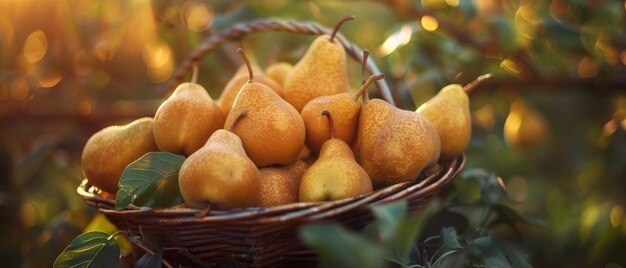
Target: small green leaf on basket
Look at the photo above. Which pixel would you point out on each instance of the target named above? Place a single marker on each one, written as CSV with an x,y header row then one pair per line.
x,y
150,261
151,181
339,247
92,249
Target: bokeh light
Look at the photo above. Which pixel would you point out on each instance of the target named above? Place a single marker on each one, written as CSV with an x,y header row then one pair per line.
x,y
35,46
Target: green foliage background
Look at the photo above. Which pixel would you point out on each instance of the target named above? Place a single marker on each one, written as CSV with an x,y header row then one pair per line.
x,y
564,58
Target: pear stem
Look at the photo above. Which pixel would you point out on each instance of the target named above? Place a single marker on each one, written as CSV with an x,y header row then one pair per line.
x,y
467,88
363,89
245,59
194,75
236,121
344,19
366,54
330,123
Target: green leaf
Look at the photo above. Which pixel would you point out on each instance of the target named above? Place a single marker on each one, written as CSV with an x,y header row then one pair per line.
x,y
151,181
488,252
450,239
398,230
388,217
150,261
510,216
491,192
518,260
613,265
92,249
452,259
102,224
339,247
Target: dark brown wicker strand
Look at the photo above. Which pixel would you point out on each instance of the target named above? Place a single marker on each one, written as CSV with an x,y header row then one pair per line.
x,y
242,29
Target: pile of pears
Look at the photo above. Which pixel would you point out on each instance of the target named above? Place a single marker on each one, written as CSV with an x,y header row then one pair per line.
x,y
286,134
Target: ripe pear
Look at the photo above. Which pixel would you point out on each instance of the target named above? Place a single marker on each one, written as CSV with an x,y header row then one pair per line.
x,y
220,173
278,71
321,71
395,145
273,132
525,127
336,174
449,112
280,185
185,121
345,109
226,99
107,153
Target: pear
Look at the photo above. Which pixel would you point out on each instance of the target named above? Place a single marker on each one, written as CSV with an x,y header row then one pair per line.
x,y
525,127
274,131
185,121
336,174
345,109
394,145
107,153
226,99
220,173
321,71
278,71
449,112
280,185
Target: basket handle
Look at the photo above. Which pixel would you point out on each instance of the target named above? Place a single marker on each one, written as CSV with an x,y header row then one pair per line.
x,y
239,30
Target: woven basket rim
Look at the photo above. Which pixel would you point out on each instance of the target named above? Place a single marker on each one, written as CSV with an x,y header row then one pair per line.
x,y
300,211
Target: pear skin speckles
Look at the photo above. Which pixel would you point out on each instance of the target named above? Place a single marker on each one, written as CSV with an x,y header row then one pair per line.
x,y
395,145
321,71
273,131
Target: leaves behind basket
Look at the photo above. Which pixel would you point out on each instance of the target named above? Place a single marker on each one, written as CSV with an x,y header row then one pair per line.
x,y
262,237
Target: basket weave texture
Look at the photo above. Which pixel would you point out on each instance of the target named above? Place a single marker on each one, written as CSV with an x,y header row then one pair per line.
x,y
263,237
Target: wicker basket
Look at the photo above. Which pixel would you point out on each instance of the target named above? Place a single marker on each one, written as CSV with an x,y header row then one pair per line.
x,y
262,237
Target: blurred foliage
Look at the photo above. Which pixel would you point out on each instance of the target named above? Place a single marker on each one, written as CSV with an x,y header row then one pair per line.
x,y
70,67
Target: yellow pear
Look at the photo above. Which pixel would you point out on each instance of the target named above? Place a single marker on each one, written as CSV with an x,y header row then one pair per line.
x,y
345,109
280,185
394,145
274,131
321,71
220,173
107,153
226,99
449,112
278,71
525,127
185,121
336,174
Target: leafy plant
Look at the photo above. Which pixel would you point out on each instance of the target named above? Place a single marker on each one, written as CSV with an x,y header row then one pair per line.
x,y
92,249
151,181
400,239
